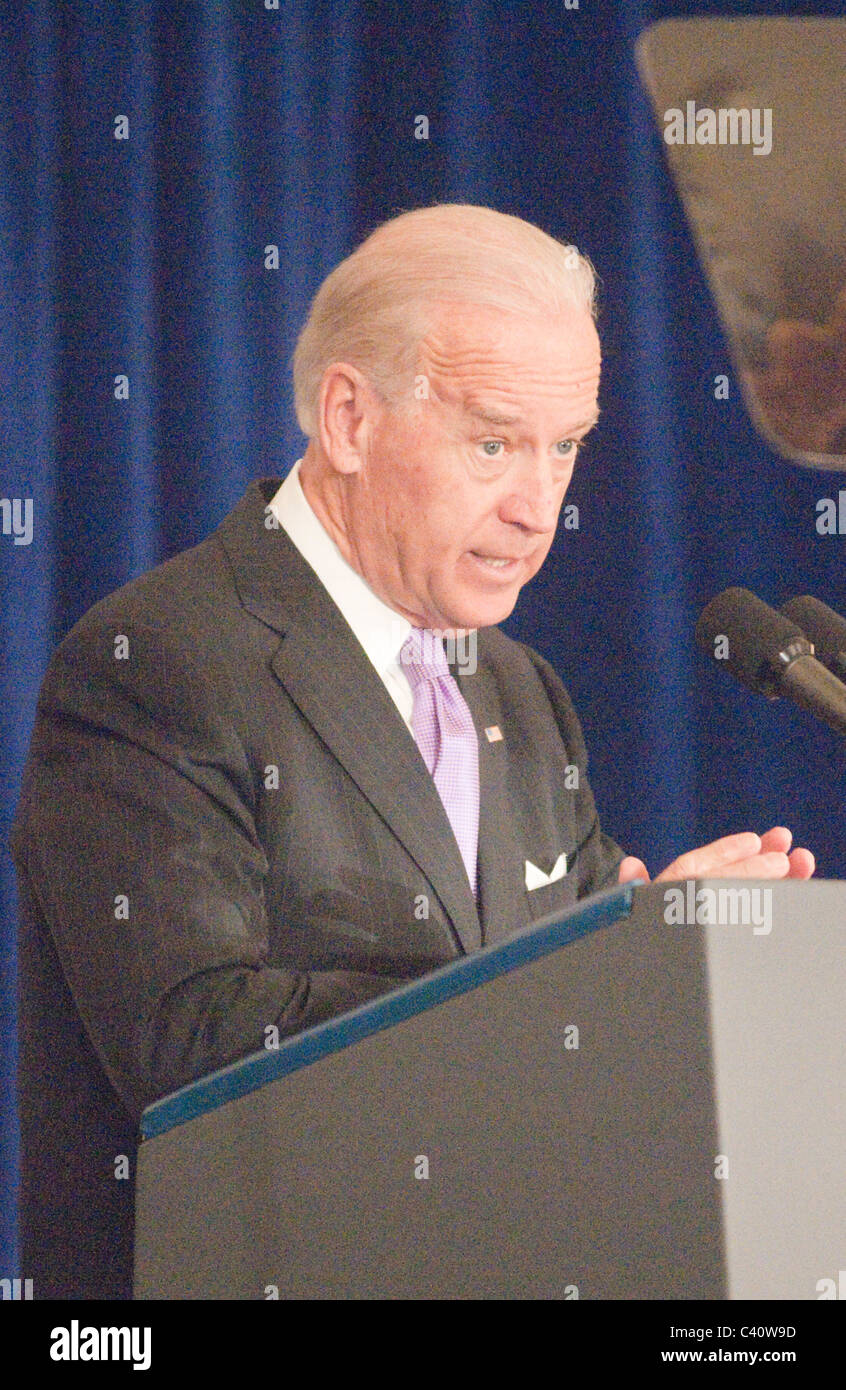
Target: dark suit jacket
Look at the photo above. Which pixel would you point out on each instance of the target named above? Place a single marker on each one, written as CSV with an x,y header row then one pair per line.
x,y
178,896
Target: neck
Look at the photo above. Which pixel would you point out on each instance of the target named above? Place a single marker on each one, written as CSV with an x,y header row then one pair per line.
x,y
324,493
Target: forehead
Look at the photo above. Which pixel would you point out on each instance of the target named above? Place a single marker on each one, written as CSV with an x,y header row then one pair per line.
x,y
470,350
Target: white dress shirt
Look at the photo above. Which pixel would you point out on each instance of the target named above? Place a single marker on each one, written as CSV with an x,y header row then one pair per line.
x,y
379,629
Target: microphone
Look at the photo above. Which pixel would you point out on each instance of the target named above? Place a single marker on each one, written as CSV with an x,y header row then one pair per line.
x,y
770,654
826,629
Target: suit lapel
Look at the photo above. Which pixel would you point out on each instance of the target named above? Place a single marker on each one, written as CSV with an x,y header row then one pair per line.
x,y
326,673
502,901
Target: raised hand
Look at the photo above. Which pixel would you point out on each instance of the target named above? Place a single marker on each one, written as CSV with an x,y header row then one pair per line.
x,y
746,855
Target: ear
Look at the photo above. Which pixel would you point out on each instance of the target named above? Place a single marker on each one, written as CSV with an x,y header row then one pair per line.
x,y
347,412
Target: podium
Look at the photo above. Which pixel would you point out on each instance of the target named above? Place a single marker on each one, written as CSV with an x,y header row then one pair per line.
x,y
641,1099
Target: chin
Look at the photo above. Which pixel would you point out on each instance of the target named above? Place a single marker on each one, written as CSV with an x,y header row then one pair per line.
x,y
483,612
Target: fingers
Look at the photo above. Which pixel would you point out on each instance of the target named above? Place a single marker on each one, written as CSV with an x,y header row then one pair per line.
x,y
718,859
757,866
632,868
802,864
745,855
779,838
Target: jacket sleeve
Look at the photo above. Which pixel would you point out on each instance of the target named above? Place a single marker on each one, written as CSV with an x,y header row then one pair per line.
x,y
598,856
135,830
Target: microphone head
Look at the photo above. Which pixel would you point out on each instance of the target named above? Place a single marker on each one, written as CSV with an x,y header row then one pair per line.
x,y
825,628
750,639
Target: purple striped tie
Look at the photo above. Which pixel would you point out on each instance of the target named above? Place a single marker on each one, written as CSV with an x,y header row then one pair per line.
x,y
446,736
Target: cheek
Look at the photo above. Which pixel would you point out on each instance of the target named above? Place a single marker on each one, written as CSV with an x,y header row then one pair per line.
x,y
415,508
395,480
426,491
430,504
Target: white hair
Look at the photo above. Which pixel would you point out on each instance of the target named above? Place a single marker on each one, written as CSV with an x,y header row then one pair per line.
x,y
373,309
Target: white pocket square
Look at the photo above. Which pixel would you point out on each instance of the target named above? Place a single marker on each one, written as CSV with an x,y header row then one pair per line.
x,y
536,878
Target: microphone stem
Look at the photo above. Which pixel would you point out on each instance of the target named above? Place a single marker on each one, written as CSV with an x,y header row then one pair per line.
x,y
812,686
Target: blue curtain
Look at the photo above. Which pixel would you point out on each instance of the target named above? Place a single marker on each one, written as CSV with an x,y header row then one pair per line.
x,y
255,126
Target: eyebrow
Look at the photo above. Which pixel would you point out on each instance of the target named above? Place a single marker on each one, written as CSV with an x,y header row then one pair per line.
x,y
492,416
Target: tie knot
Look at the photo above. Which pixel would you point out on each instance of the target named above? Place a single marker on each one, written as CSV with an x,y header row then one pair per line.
x,y
422,655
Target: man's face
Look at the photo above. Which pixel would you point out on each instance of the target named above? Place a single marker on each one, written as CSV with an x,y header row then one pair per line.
x,y
457,500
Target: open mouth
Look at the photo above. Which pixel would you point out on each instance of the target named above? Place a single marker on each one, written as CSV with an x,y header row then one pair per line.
x,y
495,562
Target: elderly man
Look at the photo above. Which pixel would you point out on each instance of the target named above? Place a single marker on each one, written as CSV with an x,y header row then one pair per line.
x,y
258,794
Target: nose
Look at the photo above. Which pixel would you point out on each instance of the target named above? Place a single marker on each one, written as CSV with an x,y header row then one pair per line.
x,y
535,493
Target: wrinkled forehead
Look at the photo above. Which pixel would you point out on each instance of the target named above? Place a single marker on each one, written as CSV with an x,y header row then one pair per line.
x,y
469,347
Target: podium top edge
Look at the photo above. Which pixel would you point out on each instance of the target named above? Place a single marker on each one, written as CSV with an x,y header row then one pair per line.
x,y
417,996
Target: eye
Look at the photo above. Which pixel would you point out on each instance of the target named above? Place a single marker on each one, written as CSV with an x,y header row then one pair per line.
x,y
567,447
492,447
